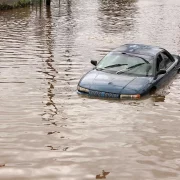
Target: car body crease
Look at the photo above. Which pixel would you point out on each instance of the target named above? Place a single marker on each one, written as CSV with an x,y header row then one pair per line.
x,y
127,84
93,80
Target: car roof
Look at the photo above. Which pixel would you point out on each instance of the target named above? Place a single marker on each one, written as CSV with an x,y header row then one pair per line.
x,y
139,49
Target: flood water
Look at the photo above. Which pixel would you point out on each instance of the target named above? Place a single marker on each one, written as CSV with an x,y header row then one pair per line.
x,y
47,131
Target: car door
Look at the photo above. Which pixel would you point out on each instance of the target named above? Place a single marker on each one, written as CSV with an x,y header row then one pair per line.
x,y
170,65
164,61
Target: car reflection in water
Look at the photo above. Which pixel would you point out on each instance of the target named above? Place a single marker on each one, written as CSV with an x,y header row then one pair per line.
x,y
158,98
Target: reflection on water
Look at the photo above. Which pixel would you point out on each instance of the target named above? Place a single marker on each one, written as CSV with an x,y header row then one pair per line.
x,y
117,16
49,132
49,71
158,98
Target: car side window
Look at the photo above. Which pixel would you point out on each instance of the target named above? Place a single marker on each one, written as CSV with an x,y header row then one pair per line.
x,y
167,61
163,61
159,62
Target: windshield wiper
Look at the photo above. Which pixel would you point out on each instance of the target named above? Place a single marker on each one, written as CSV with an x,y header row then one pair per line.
x,y
115,65
131,67
136,65
99,69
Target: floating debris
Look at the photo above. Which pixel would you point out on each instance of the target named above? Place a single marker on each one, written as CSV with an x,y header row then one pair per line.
x,y
2,165
52,148
103,175
52,132
65,149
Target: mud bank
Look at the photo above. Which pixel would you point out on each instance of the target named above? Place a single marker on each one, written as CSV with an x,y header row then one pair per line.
x,y
10,4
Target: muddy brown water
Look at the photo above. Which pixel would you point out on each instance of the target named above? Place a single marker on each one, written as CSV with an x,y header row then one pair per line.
x,y
47,131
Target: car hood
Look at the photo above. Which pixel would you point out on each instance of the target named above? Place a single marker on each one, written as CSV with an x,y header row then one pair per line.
x,y
114,83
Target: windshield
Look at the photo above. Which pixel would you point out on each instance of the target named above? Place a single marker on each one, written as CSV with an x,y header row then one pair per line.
x,y
125,63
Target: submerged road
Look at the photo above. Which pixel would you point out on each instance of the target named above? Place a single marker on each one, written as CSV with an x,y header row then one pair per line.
x,y
47,131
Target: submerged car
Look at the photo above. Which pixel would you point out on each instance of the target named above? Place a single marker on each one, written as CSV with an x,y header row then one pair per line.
x,y
130,71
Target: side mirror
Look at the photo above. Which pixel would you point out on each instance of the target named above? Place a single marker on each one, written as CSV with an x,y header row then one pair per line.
x,y
94,62
161,71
